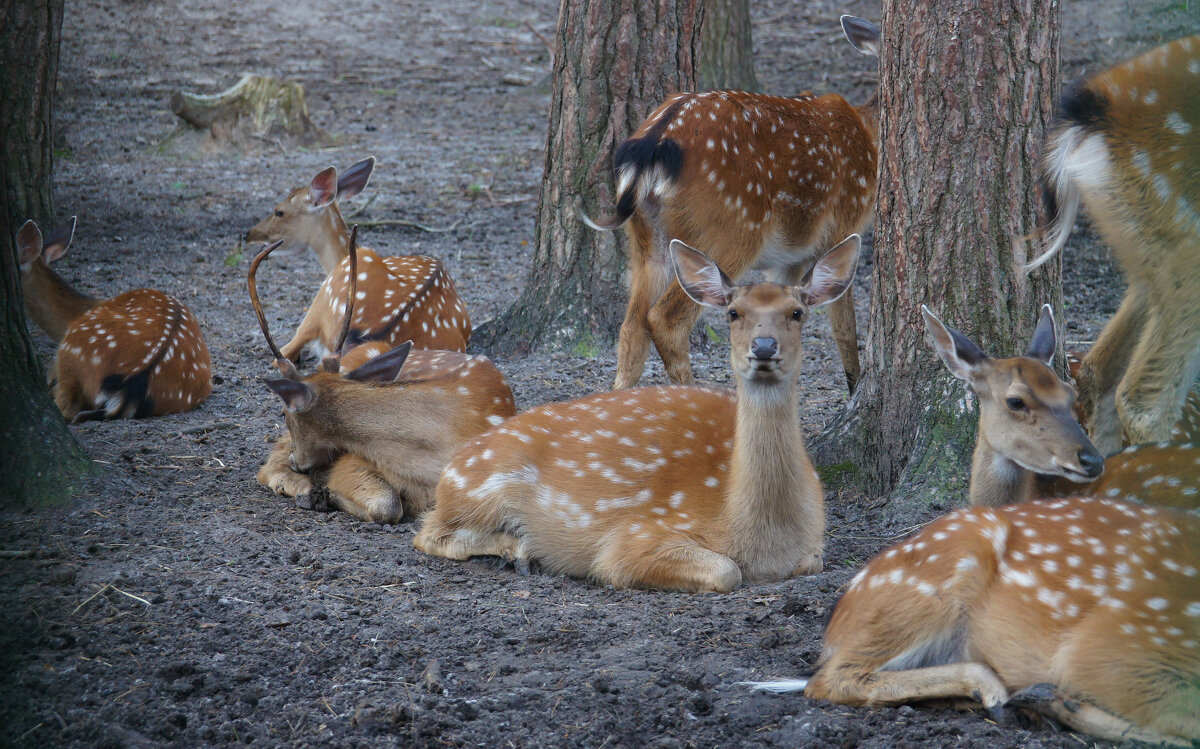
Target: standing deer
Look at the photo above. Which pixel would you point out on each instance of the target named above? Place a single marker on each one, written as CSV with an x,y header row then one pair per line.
x,y
409,297
1127,148
138,354
378,436
682,488
760,182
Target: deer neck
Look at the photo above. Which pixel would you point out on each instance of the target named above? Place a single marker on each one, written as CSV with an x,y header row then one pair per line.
x,y
51,301
330,239
362,419
996,480
775,503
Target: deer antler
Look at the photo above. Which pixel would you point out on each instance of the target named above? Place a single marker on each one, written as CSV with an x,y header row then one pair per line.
x,y
332,362
286,368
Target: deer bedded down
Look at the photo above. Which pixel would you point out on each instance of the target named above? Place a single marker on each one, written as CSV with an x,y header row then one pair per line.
x,y
138,354
1087,608
400,298
759,183
1127,148
680,487
377,436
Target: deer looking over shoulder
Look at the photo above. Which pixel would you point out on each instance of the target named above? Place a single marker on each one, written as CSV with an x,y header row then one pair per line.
x,y
1126,148
138,354
758,182
683,488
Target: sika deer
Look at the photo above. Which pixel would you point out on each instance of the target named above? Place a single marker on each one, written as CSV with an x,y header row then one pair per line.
x,y
138,354
379,435
1127,148
758,182
1088,606
682,488
409,297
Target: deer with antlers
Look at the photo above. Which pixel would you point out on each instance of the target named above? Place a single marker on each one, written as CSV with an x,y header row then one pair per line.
x,y
372,440
138,354
759,182
683,488
407,297
1087,608
1126,148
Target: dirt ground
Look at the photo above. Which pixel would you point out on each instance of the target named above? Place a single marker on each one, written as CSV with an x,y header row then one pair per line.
x,y
181,603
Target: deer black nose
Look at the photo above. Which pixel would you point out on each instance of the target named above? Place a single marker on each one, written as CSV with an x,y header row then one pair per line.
x,y
1091,461
764,348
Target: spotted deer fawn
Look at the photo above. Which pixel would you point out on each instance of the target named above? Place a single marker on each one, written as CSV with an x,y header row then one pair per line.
x,y
759,182
1088,608
683,488
410,297
376,437
1126,149
138,354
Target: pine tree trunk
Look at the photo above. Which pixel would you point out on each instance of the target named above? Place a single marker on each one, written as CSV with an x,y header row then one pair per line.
x,y
42,461
726,47
617,59
967,91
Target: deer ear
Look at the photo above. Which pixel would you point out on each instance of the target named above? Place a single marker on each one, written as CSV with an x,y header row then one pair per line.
x,y
59,240
383,368
862,34
297,396
699,276
29,243
1044,341
833,273
323,189
958,353
354,180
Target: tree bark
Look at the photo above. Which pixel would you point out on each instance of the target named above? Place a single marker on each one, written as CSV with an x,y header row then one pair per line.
x,y
726,47
42,461
617,59
967,91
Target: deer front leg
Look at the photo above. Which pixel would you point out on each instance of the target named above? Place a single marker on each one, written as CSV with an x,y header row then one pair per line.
x,y
355,488
277,474
848,685
464,543
648,281
845,334
1104,366
1087,718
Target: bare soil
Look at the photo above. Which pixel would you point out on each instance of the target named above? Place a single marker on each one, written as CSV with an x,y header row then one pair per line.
x,y
180,603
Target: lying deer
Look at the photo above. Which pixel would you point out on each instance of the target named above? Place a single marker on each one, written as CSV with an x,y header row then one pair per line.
x,y
759,182
410,297
1127,148
1087,607
377,436
138,354
683,488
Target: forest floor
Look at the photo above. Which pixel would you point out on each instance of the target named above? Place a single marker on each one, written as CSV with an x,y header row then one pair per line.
x,y
181,603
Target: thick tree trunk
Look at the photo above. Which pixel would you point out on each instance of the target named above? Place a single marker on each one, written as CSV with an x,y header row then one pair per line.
x,y
967,91
617,59
726,47
42,461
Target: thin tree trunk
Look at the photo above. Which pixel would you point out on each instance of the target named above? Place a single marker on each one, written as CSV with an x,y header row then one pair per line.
x,y
42,461
726,47
967,91
617,59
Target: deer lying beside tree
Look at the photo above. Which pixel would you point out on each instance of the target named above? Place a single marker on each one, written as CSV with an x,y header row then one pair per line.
x,y
1126,149
759,182
138,354
378,436
408,297
683,488
1088,608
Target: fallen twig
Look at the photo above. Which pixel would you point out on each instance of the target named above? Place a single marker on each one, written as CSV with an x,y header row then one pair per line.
x,y
16,553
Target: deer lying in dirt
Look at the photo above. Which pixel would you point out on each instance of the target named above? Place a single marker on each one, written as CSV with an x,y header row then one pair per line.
x,y
377,436
1088,608
138,354
683,488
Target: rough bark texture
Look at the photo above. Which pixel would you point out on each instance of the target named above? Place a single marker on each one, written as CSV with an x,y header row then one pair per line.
x,y
726,47
42,461
967,91
616,61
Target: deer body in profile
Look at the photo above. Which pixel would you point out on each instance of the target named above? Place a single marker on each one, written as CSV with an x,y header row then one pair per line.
x,y
1127,148
682,488
138,354
758,182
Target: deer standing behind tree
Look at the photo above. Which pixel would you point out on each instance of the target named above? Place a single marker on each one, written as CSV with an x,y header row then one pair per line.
x,y
759,182
138,354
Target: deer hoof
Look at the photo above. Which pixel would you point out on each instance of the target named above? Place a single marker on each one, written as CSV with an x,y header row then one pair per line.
x,y
316,499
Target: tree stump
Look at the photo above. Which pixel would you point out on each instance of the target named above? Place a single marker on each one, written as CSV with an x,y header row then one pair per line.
x,y
257,109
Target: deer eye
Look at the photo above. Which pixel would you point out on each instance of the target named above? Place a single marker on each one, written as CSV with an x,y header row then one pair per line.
x,y
733,314
279,214
1015,404
797,313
